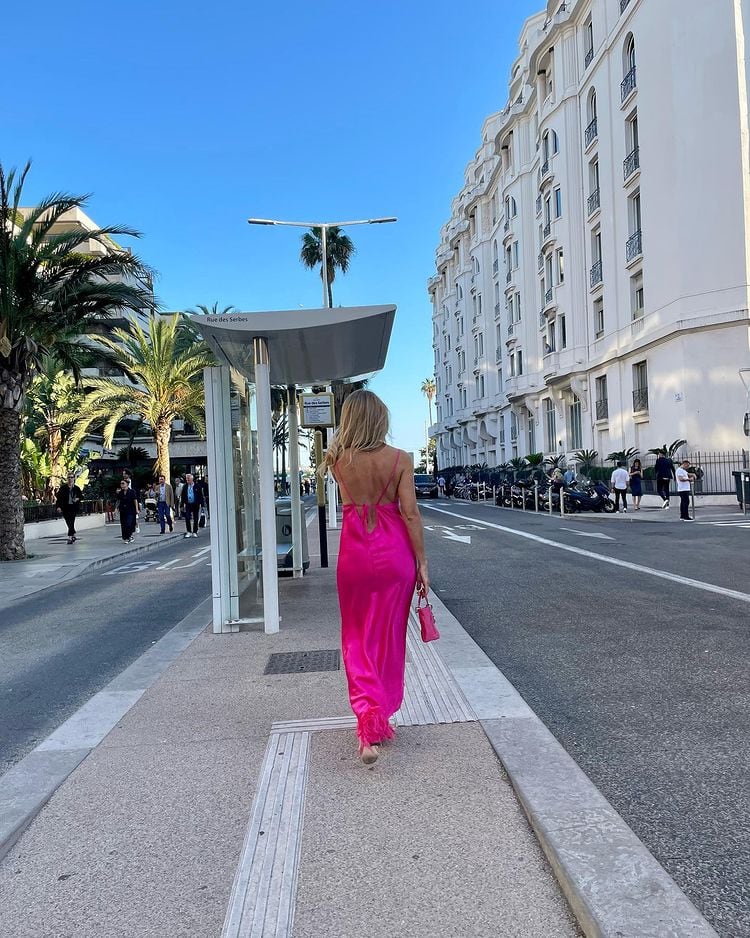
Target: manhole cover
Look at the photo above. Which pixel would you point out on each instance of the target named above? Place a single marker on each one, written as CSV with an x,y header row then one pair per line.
x,y
294,662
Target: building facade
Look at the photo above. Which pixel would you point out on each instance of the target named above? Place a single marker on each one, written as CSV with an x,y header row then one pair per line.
x,y
592,282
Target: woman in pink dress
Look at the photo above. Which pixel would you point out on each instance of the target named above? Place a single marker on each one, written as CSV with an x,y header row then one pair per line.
x,y
381,562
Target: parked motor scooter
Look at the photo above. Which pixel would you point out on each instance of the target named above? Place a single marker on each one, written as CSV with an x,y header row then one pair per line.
x,y
595,498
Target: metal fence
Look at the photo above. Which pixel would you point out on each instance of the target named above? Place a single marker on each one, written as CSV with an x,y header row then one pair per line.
x,y
47,512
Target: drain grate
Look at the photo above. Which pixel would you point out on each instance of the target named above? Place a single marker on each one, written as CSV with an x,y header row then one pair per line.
x,y
296,662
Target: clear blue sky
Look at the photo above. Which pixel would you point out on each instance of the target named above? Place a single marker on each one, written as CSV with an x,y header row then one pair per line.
x,y
184,119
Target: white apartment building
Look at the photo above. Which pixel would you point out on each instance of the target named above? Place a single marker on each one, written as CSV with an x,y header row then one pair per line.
x,y
592,282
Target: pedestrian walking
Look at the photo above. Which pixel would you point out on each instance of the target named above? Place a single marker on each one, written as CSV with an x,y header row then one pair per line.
x,y
569,476
68,500
164,504
178,486
441,485
381,563
191,502
636,484
128,506
684,479
664,472
307,486
619,483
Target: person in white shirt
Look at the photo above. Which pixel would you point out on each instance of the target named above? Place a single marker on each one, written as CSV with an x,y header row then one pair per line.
x,y
441,485
619,483
684,478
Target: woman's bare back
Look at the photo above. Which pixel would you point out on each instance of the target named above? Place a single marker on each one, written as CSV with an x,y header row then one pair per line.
x,y
367,475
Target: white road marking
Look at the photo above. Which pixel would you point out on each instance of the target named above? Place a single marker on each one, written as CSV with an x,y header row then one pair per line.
x,y
200,553
134,567
659,574
604,537
169,563
450,536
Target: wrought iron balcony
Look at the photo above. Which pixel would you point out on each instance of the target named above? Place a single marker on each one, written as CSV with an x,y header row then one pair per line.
x,y
540,261
640,399
542,319
539,205
633,246
589,58
511,328
498,356
509,276
495,266
627,85
592,132
506,226
497,310
631,163
547,229
594,201
623,4
545,168
602,409
548,296
596,275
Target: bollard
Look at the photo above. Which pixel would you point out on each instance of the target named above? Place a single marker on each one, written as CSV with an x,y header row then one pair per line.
x,y
692,499
549,496
536,496
745,479
562,502
494,496
523,499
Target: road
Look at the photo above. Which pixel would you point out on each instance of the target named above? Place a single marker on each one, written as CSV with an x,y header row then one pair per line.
x,y
62,645
643,678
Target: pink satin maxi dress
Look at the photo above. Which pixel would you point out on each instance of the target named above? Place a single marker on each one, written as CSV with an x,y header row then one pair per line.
x,y
376,577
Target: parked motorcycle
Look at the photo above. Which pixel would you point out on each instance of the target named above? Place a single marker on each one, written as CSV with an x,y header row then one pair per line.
x,y
594,498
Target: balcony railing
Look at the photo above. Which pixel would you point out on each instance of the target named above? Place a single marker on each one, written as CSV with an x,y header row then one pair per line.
x,y
542,319
547,229
631,163
509,276
548,296
539,205
545,168
495,266
633,246
602,409
594,201
596,275
498,356
497,310
589,58
640,399
540,261
592,131
506,226
627,85
623,4
511,328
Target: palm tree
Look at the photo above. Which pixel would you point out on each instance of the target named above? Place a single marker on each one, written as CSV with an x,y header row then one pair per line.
x,y
52,291
165,367
339,251
428,389
202,310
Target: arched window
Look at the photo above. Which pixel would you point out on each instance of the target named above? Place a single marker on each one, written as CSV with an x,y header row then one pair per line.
x,y
494,251
513,208
550,144
629,54
591,105
476,265
555,142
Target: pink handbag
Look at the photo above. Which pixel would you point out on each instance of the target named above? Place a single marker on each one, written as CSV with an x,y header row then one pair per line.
x,y
427,620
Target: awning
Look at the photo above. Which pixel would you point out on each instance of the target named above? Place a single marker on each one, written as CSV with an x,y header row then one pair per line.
x,y
305,346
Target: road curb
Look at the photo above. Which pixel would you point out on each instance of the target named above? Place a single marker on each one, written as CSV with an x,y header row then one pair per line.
x,y
614,885
28,786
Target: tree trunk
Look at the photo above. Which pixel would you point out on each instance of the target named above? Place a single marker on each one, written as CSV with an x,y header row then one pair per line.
x,y
54,437
161,435
429,405
11,505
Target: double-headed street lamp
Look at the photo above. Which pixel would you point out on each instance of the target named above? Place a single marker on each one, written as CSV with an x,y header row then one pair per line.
x,y
292,392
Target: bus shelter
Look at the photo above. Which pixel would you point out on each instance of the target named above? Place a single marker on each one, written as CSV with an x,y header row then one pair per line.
x,y
293,349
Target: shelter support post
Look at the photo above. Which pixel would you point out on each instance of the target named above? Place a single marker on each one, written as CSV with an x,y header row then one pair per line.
x,y
321,499
297,553
224,567
267,499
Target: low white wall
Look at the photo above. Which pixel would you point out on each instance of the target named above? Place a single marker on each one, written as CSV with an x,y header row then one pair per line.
x,y
36,529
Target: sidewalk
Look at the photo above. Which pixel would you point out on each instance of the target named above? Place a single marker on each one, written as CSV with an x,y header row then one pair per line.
x,y
146,836
53,560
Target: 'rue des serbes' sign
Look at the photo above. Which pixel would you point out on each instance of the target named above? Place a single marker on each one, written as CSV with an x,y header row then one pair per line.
x,y
316,410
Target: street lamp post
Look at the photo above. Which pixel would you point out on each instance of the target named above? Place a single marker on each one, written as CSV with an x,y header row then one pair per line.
x,y
293,436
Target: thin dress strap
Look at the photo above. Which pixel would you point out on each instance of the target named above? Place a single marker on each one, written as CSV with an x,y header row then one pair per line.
x,y
390,478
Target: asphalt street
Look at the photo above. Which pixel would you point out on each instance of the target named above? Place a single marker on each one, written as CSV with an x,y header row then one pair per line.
x,y
60,646
643,680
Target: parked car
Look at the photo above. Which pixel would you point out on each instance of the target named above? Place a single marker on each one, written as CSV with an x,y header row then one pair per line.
x,y
425,486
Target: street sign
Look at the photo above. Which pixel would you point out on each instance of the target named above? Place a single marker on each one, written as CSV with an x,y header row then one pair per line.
x,y
316,410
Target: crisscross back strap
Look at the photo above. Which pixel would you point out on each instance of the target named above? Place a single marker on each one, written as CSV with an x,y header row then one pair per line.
x,y
390,478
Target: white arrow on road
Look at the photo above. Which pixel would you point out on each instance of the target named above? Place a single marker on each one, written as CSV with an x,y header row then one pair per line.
x,y
464,538
604,537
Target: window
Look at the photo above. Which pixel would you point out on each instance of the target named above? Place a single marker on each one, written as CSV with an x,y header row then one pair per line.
x,y
602,402
589,41
517,306
461,362
550,425
629,60
634,208
464,398
499,380
594,201
459,327
498,335
598,318
560,266
548,274
449,405
591,106
519,361
549,339
575,437
558,202
514,255
640,387
513,426
561,326
480,386
636,293
597,245
531,432
547,214
475,264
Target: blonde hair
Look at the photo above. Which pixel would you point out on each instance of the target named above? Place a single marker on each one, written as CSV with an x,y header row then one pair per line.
x,y
363,428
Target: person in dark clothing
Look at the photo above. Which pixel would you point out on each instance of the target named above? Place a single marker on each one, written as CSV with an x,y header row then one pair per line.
x,y
127,504
664,472
69,497
191,500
